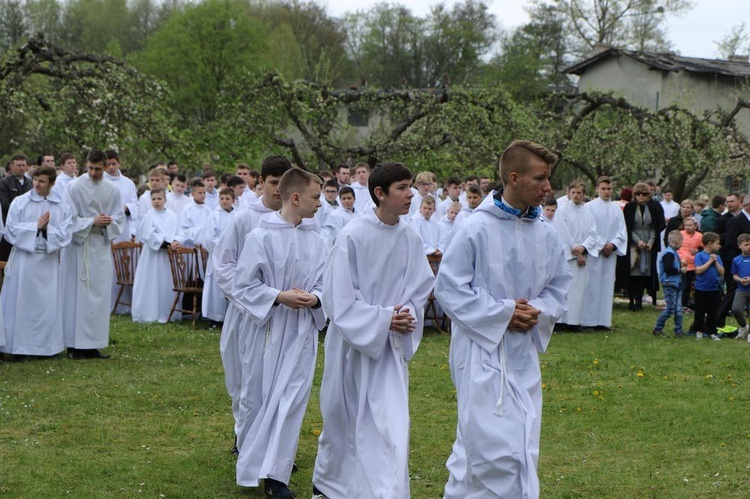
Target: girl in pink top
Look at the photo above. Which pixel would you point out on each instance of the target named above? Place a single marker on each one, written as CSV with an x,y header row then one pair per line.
x,y
691,245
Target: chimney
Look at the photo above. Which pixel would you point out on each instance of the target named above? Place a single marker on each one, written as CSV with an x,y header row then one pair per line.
x,y
738,58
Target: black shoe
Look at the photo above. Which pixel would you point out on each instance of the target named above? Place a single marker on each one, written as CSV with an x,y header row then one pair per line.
x,y
95,354
317,494
295,468
277,490
76,354
235,451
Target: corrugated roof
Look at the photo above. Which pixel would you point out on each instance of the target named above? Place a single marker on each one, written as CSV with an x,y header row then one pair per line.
x,y
668,62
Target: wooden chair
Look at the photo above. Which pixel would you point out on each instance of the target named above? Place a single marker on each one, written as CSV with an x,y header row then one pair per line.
x,y
126,256
441,321
185,264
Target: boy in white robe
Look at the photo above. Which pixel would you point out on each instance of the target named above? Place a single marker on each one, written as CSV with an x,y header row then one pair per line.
x,y
38,226
156,180
193,219
279,285
447,223
338,218
375,300
132,209
214,303
362,199
427,227
153,287
86,265
577,231
502,281
612,240
423,183
212,193
177,200
224,261
68,173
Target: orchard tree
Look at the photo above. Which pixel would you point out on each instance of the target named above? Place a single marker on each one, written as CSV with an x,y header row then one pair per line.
x,y
61,100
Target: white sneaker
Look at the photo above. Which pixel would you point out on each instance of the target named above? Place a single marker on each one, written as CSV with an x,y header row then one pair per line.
x,y
742,333
714,337
698,335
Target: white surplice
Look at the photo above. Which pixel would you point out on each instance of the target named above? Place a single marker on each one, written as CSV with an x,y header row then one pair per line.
x,y
576,227
279,362
428,230
61,183
212,199
129,197
362,198
192,225
214,303
224,263
334,222
86,265
445,227
363,450
492,259
600,291
32,275
153,287
177,202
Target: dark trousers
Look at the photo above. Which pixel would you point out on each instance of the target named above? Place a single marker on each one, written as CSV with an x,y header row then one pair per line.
x,y
688,278
706,308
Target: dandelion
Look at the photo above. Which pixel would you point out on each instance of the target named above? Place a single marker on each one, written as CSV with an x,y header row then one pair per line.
x,y
316,432
640,374
596,393
596,362
709,376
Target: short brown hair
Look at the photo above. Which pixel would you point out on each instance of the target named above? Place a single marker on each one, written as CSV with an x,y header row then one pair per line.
x,y
603,180
518,156
710,237
49,171
743,238
296,180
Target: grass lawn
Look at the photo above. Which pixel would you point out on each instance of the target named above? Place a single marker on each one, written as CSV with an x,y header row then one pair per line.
x,y
625,415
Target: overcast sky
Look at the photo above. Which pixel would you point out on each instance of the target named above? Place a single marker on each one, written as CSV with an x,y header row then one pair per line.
x,y
692,35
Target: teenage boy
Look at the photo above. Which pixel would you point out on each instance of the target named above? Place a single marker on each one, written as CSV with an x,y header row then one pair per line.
x,y
214,304
363,201
708,270
741,275
375,300
338,218
156,180
69,167
278,285
38,227
177,199
193,218
452,191
224,261
212,193
503,282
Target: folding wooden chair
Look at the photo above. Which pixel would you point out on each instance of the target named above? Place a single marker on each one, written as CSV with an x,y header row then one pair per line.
x,y
125,255
185,264
441,321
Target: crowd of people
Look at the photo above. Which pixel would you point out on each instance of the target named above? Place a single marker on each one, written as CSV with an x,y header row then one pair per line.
x,y
291,252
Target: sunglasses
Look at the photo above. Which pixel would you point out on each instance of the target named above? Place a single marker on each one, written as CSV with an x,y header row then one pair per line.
x,y
641,193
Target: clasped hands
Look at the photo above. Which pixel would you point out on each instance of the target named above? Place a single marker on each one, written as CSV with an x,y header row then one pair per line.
x,y
296,298
525,317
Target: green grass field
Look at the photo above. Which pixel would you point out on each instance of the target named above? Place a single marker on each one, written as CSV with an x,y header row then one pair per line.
x,y
625,415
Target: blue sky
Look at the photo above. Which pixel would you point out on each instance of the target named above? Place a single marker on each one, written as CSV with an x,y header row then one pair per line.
x,y
692,35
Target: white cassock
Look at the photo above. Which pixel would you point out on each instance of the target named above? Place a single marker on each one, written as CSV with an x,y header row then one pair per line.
x,y
212,199
153,287
129,197
214,303
86,265
363,451
144,203
428,230
320,216
177,202
362,198
416,203
442,207
576,227
600,291
61,183
335,221
32,275
282,343
445,227
492,259
192,225
224,263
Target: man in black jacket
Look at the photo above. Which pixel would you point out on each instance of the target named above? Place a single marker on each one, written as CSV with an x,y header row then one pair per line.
x,y
11,186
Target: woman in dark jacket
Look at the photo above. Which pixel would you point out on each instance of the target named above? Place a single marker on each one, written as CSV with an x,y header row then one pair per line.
x,y
644,219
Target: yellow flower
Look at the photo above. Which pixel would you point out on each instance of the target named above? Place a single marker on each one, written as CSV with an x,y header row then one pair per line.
x,y
596,362
316,432
640,374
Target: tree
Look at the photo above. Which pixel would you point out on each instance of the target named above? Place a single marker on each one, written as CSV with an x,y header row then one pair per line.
x,y
62,100
198,50
633,24
13,24
736,42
